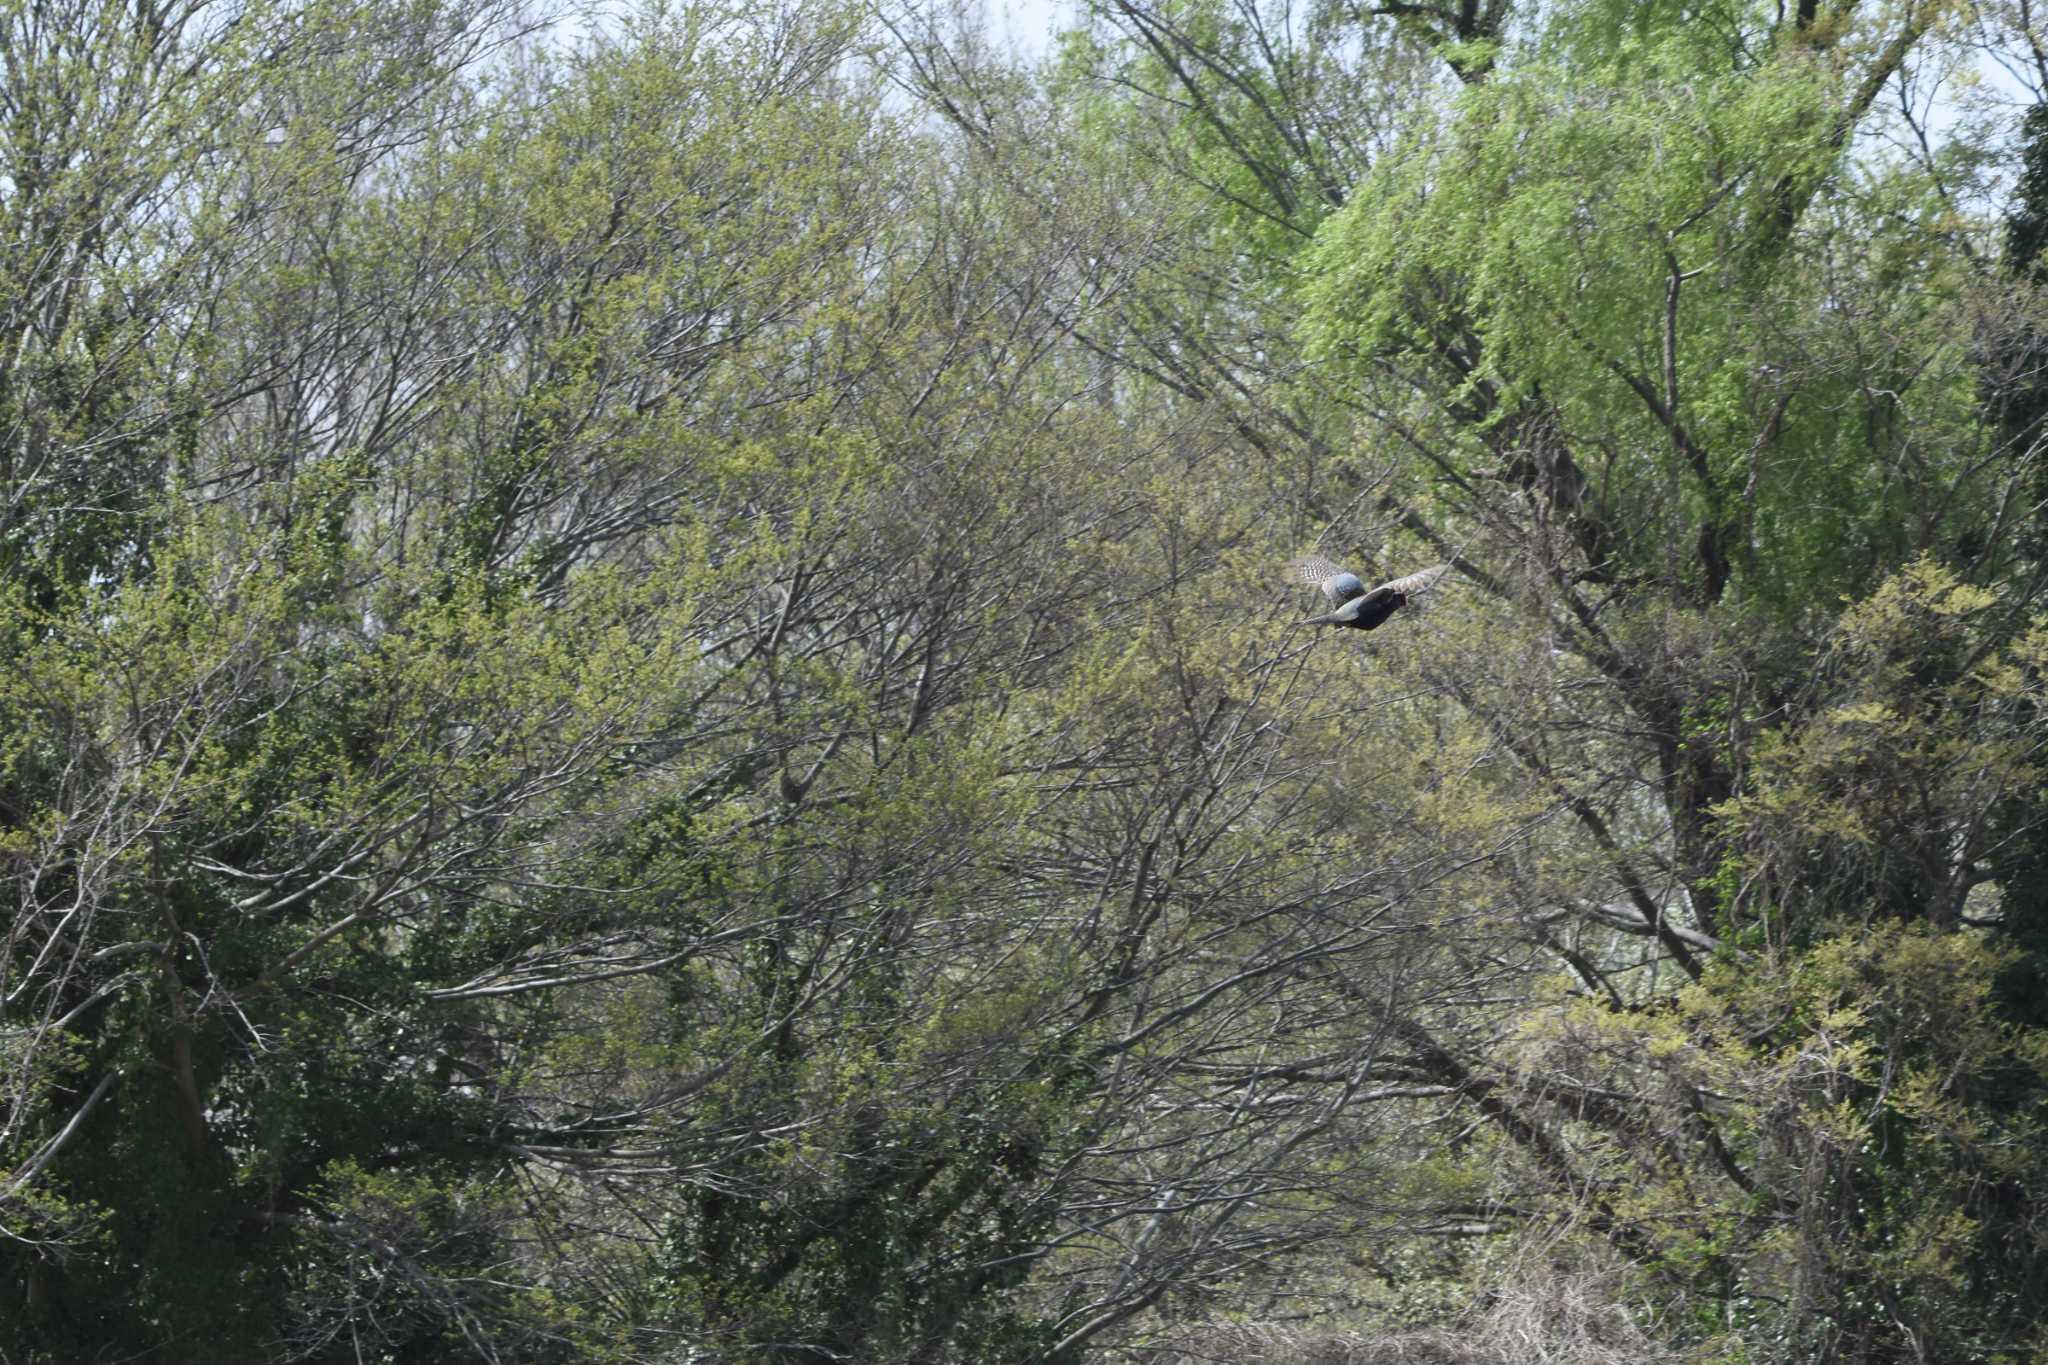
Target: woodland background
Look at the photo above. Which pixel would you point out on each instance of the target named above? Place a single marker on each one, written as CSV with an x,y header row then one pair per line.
x,y
649,708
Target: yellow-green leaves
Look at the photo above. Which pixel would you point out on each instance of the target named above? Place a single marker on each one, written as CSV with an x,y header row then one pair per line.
x,y
1922,743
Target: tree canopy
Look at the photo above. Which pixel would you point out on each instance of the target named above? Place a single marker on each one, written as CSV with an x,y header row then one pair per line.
x,y
652,707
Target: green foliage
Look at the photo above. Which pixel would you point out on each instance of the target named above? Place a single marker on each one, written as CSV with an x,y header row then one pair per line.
x,y
1914,756
1576,252
649,708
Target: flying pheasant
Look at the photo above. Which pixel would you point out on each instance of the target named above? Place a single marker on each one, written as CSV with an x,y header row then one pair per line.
x,y
1355,605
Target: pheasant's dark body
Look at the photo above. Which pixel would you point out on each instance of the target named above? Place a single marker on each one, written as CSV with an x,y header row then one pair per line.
x,y
1356,606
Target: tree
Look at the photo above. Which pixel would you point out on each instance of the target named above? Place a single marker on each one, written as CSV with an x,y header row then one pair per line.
x,y
678,731
1675,356
621,795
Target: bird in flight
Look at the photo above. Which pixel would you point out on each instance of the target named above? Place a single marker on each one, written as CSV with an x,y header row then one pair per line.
x,y
1354,605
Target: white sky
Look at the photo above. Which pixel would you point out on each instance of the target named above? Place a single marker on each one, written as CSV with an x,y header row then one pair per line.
x,y
1028,25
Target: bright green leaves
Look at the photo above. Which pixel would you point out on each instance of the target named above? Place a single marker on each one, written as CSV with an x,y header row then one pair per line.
x,y
1627,256
1561,247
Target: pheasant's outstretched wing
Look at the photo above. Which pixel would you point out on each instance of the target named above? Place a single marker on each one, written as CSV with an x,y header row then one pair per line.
x,y
1339,584
1415,584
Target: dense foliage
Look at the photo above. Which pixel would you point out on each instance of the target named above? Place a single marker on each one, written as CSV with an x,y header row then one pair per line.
x,y
651,708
